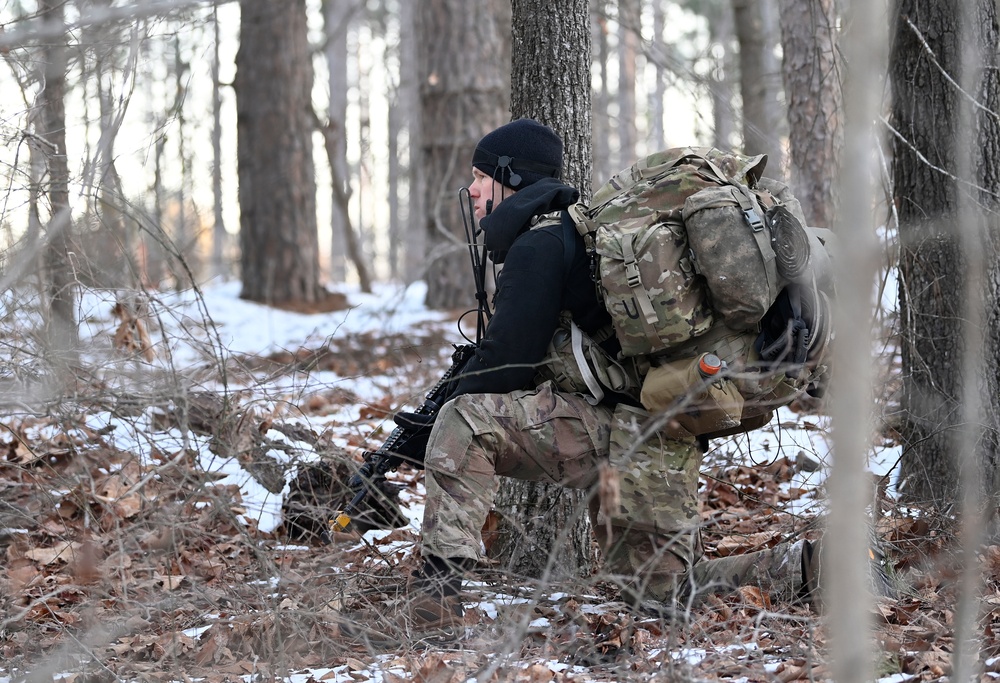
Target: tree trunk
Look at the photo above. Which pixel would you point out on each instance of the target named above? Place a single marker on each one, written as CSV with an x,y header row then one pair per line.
x,y
464,94
409,87
603,163
760,84
274,76
930,141
109,244
62,336
183,242
629,30
721,80
337,15
344,243
153,253
545,527
220,238
350,245
656,135
394,121
846,569
812,72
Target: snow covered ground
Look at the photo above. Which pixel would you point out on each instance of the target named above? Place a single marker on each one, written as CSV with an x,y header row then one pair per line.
x,y
201,329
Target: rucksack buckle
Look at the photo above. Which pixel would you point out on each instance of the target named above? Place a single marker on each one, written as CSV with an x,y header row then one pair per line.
x,y
632,274
753,219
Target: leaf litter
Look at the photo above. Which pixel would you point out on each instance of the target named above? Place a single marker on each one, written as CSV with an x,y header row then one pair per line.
x,y
144,538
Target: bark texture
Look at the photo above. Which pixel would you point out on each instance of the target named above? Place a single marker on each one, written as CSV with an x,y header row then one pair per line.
x,y
812,71
550,82
464,94
274,78
926,57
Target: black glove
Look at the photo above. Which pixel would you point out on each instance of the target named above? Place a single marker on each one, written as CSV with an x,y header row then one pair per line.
x,y
414,421
413,446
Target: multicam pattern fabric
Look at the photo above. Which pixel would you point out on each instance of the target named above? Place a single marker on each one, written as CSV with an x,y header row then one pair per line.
x,y
650,536
539,435
733,252
636,226
648,283
657,477
558,438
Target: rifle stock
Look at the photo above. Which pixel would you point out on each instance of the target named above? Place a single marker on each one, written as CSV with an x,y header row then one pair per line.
x,y
386,458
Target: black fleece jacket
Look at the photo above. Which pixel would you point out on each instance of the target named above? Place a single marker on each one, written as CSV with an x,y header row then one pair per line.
x,y
533,287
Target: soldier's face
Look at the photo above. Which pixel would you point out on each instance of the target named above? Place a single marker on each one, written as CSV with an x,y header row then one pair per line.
x,y
484,189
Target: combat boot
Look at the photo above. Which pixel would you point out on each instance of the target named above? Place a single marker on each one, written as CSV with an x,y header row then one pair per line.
x,y
430,616
778,571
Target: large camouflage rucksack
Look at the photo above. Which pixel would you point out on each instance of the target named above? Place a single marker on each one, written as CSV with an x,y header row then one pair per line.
x,y
695,252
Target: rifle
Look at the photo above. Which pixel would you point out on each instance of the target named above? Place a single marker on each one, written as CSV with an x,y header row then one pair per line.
x,y
370,478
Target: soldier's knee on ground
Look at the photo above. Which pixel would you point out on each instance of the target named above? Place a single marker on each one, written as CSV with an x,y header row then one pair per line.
x,y
648,566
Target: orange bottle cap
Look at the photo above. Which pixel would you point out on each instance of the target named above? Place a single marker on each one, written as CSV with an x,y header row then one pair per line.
x,y
709,364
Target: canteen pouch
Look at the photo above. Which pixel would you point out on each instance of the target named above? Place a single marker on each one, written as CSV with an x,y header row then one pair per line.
x,y
698,405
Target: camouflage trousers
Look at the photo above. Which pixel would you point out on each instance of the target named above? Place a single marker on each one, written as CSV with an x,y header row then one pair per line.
x,y
646,520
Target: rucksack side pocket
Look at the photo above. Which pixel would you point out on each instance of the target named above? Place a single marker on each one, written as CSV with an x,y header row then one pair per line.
x,y
699,405
650,289
732,251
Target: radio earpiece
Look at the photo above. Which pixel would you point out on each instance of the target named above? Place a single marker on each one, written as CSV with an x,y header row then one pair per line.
x,y
504,162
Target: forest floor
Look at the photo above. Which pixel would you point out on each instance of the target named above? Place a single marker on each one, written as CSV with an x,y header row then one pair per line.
x,y
142,537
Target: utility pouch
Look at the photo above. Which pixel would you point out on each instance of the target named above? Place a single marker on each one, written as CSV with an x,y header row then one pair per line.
x,y
578,364
699,405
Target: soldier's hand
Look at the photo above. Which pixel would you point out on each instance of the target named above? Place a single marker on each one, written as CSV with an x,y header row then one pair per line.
x,y
414,421
418,429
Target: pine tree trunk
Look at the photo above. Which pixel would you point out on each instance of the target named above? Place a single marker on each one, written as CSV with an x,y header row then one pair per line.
x,y
629,30
604,165
657,136
933,267
547,526
278,234
337,15
464,57
394,120
812,73
760,83
721,80
412,232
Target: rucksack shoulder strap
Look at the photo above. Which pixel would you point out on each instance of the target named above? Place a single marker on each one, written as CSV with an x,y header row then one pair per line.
x,y
569,240
568,234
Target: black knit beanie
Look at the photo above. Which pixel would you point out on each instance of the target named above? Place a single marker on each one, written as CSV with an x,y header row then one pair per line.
x,y
520,153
